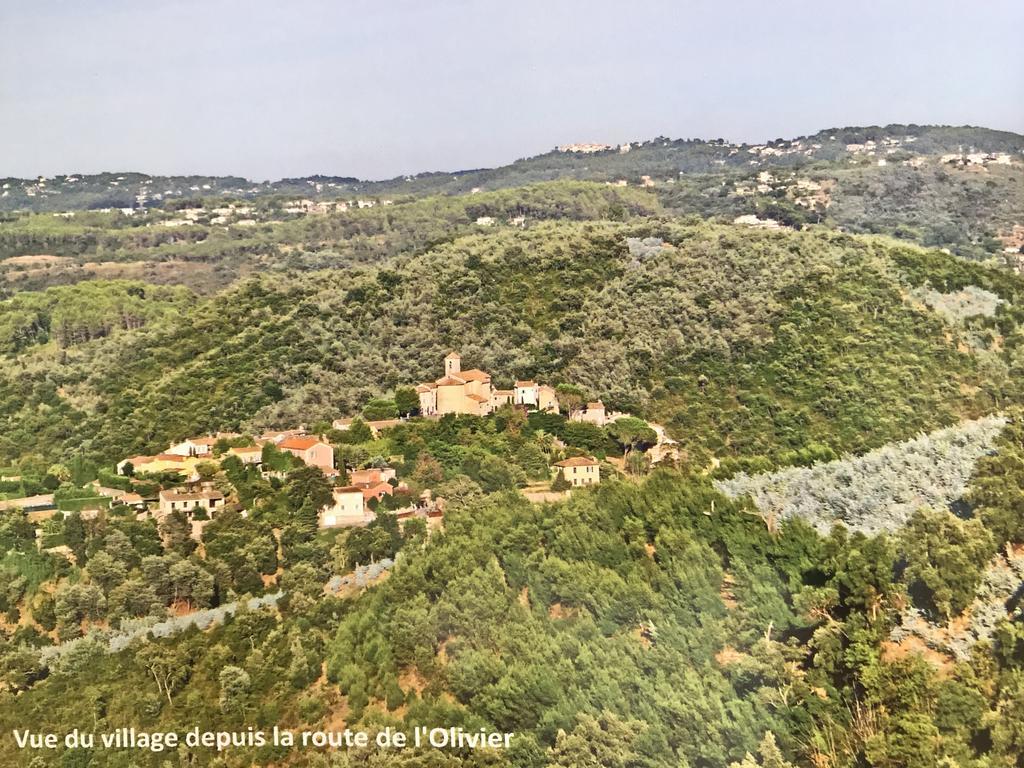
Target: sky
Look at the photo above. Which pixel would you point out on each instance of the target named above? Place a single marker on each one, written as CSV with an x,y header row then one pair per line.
x,y
378,88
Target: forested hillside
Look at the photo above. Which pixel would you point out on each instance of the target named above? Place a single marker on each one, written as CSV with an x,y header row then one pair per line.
x,y
77,314
745,342
656,625
804,550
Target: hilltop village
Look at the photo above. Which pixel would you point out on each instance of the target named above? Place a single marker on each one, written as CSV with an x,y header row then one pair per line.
x,y
361,466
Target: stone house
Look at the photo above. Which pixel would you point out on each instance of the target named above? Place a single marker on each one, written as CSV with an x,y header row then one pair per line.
x,y
189,502
594,413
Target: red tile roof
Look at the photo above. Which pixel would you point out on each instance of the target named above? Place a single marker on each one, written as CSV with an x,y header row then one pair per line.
x,y
375,491
300,443
474,374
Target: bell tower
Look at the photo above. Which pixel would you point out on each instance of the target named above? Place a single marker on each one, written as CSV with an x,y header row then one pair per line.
x,y
452,363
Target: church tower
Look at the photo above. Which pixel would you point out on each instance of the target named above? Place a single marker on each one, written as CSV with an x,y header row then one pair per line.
x,y
452,364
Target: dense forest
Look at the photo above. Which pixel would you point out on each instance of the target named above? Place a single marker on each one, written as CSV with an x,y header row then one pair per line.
x,y
656,625
748,343
824,572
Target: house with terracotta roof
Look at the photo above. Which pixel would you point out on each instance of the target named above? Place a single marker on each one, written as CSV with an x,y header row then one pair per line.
x,y
534,395
134,461
502,397
376,491
579,470
547,400
471,392
312,450
247,454
130,499
373,482
371,476
199,446
193,446
275,436
527,393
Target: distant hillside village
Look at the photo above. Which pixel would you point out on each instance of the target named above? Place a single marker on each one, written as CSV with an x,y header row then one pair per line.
x,y
193,479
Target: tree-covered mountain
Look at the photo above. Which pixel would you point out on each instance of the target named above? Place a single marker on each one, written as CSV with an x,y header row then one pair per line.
x,y
702,612
651,625
744,341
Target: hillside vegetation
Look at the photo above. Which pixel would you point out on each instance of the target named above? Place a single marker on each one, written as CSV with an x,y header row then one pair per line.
x,y
877,491
77,314
38,250
820,570
745,342
960,188
655,625
656,157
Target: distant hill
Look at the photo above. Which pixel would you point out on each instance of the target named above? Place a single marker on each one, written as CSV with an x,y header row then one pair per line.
x,y
207,246
960,188
658,157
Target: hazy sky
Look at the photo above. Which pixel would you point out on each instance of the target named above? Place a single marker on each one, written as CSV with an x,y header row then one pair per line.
x,y
272,88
